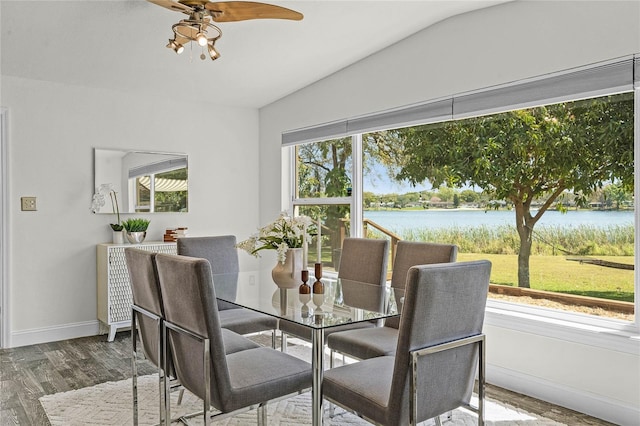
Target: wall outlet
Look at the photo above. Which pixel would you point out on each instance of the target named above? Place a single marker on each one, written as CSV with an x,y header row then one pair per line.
x,y
28,204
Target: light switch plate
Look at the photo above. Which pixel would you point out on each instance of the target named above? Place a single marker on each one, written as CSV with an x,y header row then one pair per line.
x,y
28,204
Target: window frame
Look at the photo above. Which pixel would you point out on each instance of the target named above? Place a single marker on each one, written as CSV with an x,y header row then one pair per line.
x,y
503,313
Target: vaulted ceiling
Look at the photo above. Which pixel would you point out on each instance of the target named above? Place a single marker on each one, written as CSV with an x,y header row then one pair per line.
x,y
120,45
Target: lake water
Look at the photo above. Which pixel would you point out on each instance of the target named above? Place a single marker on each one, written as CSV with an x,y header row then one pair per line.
x,y
399,220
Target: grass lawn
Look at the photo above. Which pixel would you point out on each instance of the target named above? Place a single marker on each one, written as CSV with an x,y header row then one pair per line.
x,y
556,273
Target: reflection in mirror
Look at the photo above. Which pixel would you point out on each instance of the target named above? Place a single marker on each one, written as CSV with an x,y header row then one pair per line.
x,y
145,182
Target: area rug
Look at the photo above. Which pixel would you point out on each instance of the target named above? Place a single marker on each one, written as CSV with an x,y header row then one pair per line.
x,y
110,403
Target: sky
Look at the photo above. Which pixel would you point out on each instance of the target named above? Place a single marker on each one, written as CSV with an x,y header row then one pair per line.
x,y
386,186
379,182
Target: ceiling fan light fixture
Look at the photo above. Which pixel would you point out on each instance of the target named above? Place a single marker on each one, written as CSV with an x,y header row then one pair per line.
x,y
201,13
213,52
201,38
177,47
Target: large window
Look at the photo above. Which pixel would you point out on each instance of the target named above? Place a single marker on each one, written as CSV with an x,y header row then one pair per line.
x,y
324,173
510,188
545,192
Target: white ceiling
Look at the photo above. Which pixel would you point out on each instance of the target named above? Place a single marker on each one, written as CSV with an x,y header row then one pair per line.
x,y
120,45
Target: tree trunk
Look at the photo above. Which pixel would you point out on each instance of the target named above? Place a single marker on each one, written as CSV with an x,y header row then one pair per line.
x,y
524,225
523,261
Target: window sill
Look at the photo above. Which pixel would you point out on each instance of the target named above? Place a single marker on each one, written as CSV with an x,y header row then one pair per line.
x,y
571,327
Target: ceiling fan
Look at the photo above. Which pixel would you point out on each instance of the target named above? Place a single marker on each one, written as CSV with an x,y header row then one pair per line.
x,y
201,13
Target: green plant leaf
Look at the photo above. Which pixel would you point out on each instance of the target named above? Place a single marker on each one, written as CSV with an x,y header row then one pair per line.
x,y
136,224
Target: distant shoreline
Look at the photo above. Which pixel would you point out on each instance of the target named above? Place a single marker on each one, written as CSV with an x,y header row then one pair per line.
x,y
408,209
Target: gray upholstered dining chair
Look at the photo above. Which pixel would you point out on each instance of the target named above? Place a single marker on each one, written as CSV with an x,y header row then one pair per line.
x,y
440,346
362,260
227,382
146,319
380,341
222,254
147,316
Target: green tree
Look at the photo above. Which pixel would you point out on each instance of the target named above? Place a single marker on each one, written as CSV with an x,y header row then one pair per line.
x,y
324,170
616,194
469,196
445,193
369,199
528,154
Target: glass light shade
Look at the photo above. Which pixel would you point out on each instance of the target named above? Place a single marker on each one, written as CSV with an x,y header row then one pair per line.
x,y
177,47
202,39
213,52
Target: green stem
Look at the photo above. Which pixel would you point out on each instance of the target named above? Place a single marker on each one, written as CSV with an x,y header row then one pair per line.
x,y
114,195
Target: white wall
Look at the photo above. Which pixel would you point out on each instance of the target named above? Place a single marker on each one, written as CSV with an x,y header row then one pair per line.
x,y
53,129
473,51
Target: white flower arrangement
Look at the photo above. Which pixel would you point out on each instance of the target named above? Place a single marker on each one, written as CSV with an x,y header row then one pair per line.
x,y
99,200
282,234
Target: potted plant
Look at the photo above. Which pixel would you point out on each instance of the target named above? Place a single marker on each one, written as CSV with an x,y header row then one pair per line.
x,y
289,236
136,229
99,201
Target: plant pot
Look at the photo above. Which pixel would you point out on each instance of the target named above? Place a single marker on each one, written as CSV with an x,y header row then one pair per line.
x,y
118,237
287,275
136,237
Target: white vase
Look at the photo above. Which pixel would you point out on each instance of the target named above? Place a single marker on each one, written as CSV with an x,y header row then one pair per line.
x,y
288,274
118,237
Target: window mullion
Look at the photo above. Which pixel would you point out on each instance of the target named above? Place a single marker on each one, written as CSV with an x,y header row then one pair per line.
x,y
636,192
357,187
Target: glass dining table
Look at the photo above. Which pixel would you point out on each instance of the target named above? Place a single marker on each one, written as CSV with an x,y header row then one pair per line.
x,y
343,302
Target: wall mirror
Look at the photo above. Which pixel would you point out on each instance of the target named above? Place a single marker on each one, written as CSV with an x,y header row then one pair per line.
x,y
145,181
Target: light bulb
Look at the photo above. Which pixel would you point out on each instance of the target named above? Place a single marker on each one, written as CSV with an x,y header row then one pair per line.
x,y
213,52
202,39
176,47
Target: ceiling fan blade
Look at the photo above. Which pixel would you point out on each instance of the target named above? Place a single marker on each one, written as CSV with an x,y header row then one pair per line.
x,y
173,5
229,11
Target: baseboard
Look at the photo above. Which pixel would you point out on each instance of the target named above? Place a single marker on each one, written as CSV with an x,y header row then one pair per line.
x,y
53,334
594,405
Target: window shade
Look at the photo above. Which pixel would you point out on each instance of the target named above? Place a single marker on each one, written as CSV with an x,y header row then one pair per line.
x,y
317,133
590,81
582,83
418,114
415,114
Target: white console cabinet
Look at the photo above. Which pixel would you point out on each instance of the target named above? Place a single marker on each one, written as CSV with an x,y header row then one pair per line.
x,y
114,289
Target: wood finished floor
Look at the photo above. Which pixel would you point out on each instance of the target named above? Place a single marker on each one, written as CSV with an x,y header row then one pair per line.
x,y
27,373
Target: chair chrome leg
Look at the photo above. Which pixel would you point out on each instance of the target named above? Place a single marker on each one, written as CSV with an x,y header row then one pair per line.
x,y
437,420
207,382
273,338
134,368
481,379
165,365
262,415
283,342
